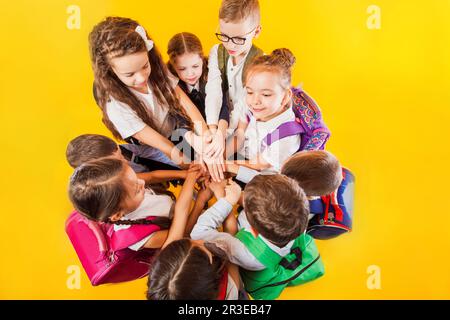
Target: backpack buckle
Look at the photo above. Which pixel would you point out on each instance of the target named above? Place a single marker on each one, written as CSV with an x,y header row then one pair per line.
x,y
294,263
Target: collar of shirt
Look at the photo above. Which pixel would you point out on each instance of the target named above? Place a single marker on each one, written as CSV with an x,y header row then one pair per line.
x,y
244,224
152,205
196,87
286,116
146,96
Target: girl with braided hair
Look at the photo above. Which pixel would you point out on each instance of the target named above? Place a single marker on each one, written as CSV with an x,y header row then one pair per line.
x,y
108,190
139,98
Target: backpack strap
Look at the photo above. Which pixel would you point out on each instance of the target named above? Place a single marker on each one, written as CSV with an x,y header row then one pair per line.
x,y
284,130
331,200
269,258
308,114
124,238
253,53
222,59
259,249
223,286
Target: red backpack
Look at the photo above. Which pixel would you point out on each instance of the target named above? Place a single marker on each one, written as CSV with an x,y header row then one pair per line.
x,y
104,253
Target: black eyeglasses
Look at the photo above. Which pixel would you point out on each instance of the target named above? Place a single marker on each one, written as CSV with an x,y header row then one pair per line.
x,y
236,40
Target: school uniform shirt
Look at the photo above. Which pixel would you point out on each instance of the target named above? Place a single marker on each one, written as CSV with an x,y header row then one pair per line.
x,y
232,290
277,152
196,94
152,205
128,123
213,87
237,252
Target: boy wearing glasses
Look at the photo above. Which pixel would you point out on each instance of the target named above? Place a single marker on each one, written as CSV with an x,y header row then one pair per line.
x,y
239,24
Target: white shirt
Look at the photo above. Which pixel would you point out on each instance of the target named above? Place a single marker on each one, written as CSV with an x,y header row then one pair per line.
x,y
213,89
232,290
152,205
277,152
128,123
196,87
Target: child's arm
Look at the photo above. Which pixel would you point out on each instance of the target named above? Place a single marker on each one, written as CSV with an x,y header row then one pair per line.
x,y
157,240
182,206
230,223
235,143
158,176
217,145
206,229
191,110
213,89
258,163
242,173
154,139
202,198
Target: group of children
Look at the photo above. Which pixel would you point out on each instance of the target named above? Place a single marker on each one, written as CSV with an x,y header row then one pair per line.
x,y
229,126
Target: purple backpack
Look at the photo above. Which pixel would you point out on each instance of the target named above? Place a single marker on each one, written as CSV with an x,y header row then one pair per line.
x,y
104,253
308,123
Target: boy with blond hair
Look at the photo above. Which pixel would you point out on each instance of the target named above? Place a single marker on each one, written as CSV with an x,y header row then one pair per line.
x,y
239,24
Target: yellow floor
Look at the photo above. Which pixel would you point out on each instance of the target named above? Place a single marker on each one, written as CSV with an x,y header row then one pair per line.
x,y
384,94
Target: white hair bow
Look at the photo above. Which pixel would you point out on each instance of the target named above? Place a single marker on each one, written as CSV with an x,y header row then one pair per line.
x,y
148,43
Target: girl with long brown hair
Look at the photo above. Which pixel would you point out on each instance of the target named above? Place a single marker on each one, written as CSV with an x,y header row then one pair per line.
x,y
140,100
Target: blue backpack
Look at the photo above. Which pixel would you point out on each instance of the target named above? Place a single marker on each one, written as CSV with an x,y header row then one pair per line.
x,y
333,213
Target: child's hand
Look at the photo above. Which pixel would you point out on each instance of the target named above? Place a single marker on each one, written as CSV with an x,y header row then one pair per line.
x,y
232,192
216,146
218,188
215,168
195,171
231,167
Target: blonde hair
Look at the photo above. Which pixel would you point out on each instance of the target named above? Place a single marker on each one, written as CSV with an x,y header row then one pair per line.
x,y
238,10
280,61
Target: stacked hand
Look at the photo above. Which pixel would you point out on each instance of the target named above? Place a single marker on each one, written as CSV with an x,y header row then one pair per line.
x,y
212,155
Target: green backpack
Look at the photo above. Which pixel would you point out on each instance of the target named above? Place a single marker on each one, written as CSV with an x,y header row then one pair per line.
x,y
301,265
222,58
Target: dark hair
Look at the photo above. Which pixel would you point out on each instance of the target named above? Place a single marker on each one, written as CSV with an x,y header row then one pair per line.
x,y
183,271
238,10
88,147
183,43
318,172
279,61
96,190
116,37
276,207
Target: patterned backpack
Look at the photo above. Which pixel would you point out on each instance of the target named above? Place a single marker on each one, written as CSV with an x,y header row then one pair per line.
x,y
308,123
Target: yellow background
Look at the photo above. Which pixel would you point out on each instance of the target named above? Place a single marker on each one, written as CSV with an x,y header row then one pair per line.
x,y
384,94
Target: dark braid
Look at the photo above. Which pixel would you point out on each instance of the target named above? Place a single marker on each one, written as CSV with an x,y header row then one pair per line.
x,y
162,222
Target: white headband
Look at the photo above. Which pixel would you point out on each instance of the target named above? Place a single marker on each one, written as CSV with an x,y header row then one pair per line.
x,y
148,43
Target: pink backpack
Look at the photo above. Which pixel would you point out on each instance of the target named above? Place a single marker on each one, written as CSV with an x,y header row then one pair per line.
x,y
104,253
